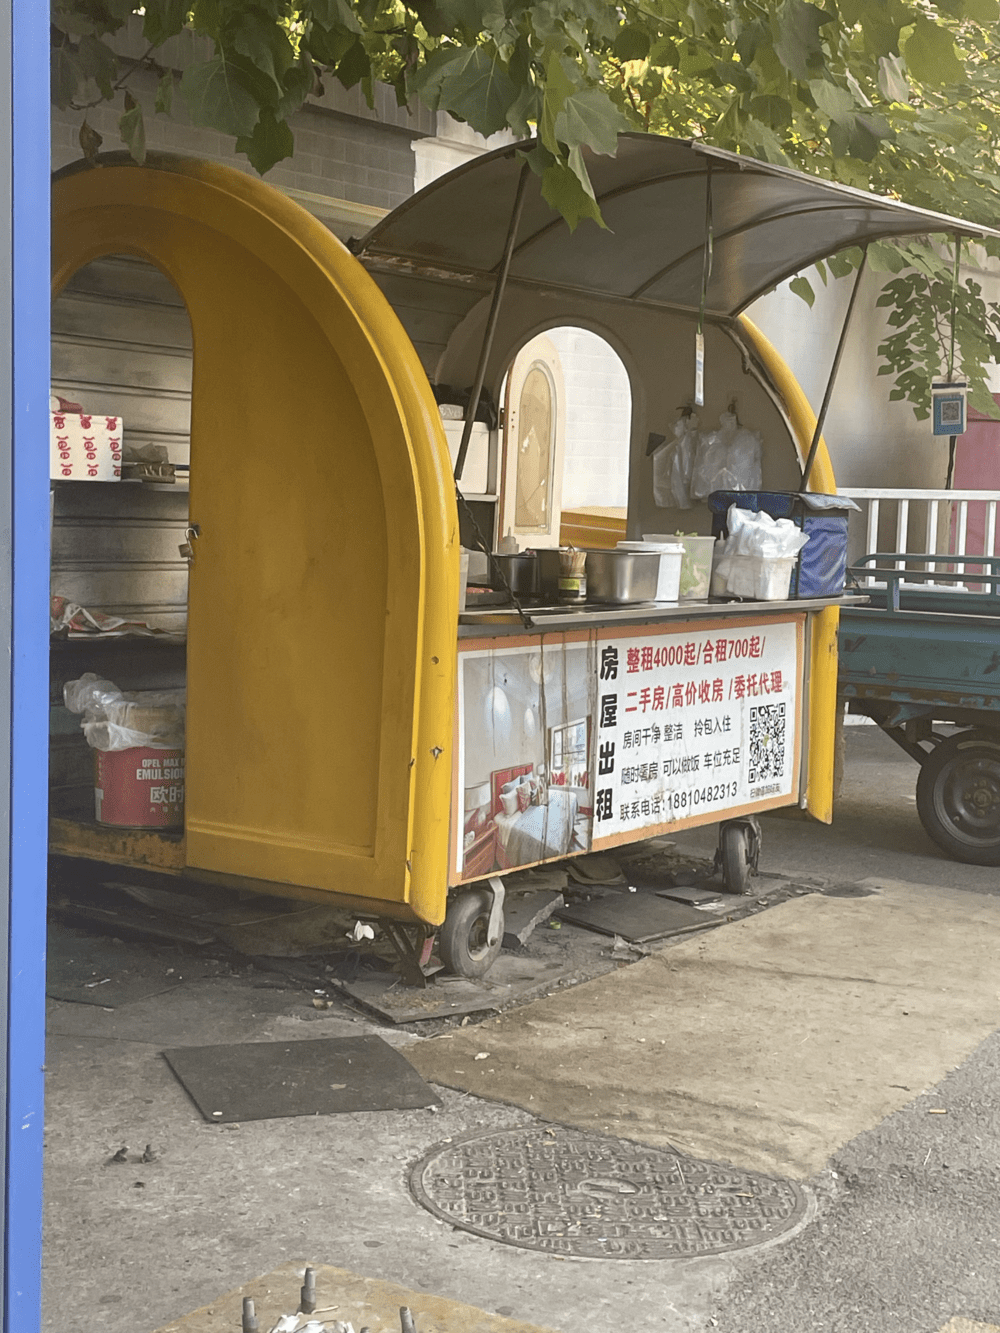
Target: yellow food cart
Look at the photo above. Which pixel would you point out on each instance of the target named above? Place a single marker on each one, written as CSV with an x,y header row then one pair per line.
x,y
350,736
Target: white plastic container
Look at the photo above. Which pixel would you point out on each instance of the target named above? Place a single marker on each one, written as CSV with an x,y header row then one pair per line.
x,y
760,578
671,558
696,566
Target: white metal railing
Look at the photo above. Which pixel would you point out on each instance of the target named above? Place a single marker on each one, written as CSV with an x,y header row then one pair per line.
x,y
924,522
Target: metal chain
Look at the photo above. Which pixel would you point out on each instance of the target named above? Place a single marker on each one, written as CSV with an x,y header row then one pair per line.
x,y
497,567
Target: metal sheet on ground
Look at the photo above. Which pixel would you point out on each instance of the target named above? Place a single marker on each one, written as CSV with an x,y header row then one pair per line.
x,y
512,977
268,1080
635,916
567,1192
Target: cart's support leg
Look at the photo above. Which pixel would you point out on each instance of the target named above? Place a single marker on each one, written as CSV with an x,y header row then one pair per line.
x,y
494,930
411,953
738,852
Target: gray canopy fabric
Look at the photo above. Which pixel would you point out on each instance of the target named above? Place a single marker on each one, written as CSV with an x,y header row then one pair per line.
x,y
768,223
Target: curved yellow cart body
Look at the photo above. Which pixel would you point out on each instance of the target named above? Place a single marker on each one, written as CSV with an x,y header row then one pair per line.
x,y
324,582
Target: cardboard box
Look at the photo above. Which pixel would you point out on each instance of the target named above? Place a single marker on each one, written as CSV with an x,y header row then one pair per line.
x,y
85,447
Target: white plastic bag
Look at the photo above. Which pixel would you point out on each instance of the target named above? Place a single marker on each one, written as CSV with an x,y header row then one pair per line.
x,y
756,559
115,720
672,465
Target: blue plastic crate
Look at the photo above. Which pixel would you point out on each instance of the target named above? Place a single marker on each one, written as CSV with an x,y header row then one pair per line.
x,y
821,568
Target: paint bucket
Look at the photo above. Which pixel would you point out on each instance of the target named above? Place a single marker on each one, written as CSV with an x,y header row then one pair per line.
x,y
139,788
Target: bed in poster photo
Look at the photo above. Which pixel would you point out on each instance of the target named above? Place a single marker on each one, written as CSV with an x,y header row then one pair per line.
x,y
525,736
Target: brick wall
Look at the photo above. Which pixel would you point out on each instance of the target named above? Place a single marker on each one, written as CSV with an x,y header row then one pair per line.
x,y
344,149
598,420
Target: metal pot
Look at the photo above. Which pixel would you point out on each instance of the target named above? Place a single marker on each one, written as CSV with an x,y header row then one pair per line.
x,y
622,576
548,573
519,571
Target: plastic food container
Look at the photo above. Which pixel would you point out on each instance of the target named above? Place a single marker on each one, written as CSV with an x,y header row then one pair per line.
x,y
671,558
622,577
760,578
696,567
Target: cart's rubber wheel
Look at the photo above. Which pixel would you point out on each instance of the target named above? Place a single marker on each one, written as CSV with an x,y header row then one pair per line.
x,y
958,797
463,940
734,843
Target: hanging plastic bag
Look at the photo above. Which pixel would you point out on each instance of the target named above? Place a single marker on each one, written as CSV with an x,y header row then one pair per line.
x,y
672,464
712,456
744,462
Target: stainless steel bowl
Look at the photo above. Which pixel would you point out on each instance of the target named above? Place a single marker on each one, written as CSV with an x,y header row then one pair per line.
x,y
622,577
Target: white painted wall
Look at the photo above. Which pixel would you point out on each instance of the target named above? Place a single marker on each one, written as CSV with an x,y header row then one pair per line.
x,y
598,421
872,441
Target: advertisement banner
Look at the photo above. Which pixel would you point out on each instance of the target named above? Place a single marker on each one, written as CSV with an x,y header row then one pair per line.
x,y
572,742
694,725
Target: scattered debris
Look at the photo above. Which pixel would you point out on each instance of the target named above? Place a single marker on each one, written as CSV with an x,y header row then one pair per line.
x,y
595,868
361,931
120,1156
522,914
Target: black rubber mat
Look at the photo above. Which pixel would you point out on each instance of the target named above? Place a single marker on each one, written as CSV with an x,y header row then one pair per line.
x,y
269,1080
635,916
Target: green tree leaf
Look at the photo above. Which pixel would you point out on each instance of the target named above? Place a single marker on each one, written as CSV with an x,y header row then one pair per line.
x,y
271,142
892,80
165,93
67,77
930,55
264,45
90,141
566,193
983,11
216,98
473,85
163,19
803,287
98,62
631,43
336,14
832,100
133,133
798,43
590,119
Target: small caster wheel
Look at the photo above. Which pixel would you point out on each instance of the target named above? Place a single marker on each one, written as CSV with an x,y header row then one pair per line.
x,y
463,940
738,851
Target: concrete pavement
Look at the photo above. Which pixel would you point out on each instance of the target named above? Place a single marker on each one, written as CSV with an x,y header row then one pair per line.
x,y
908,1222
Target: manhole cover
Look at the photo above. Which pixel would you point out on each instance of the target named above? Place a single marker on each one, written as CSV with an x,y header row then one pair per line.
x,y
570,1192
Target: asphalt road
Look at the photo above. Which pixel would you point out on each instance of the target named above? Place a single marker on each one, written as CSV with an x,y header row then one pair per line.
x,y
875,829
908,1233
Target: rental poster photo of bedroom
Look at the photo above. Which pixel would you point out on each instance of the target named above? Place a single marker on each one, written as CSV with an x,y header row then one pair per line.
x,y
524,741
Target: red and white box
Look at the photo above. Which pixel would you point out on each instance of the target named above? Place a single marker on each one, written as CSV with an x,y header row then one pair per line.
x,y
85,447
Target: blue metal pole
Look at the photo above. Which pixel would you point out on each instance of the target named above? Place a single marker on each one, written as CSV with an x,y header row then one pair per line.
x,y
24,513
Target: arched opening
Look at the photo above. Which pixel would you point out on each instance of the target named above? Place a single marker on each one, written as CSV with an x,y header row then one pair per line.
x,y
565,444
121,353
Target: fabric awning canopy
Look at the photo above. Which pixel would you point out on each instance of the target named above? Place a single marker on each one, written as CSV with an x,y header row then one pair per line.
x,y
768,221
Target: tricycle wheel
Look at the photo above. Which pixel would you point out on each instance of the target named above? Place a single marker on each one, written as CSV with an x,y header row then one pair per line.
x,y
958,797
734,846
463,940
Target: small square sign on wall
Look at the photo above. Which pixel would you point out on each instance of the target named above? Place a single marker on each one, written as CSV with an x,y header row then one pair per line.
x,y
949,407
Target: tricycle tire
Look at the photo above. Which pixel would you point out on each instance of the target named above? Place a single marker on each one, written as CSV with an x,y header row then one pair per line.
x,y
463,940
958,796
734,845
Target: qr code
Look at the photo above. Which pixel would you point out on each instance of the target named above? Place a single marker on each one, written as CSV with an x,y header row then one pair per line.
x,y
767,742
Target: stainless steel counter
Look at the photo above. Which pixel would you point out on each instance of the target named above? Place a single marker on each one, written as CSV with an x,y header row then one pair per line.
x,y
502,620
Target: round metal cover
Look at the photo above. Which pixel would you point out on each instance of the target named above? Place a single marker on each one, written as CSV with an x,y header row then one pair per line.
x,y
565,1191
